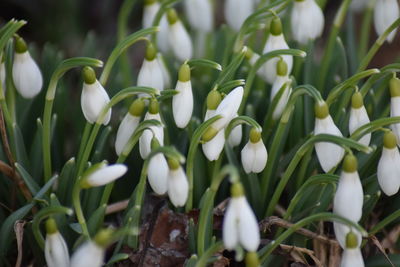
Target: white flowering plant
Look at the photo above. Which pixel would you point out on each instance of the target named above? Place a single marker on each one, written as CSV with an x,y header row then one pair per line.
x,y
249,132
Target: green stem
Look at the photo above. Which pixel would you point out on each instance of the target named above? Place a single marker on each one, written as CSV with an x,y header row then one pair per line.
x,y
395,215
76,200
366,29
84,139
203,260
326,60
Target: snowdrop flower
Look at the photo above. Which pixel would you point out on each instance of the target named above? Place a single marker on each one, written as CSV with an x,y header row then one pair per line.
x,y
157,131
235,137
128,125
25,72
341,231
240,226
389,165
101,174
276,41
150,10
213,148
352,256
182,103
164,70
227,109
349,196
385,13
252,57
329,154
358,117
178,37
282,80
237,11
55,248
178,186
307,21
150,73
92,252
254,154
200,14
158,171
93,98
394,85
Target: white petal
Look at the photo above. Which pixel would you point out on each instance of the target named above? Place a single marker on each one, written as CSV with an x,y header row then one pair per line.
x,y
151,75
279,82
235,136
228,108
385,13
261,71
26,75
88,254
359,117
125,130
341,231
247,155
178,187
213,148
164,70
349,197
307,21
329,154
230,233
158,174
106,174
56,251
249,234
180,42
93,99
274,43
149,13
236,12
162,36
261,157
147,135
182,104
394,112
352,258
200,14
389,171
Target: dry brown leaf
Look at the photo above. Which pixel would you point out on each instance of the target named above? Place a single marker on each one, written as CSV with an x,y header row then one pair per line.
x,y
381,249
19,233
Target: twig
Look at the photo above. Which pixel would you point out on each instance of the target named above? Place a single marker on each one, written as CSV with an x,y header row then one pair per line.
x,y
117,206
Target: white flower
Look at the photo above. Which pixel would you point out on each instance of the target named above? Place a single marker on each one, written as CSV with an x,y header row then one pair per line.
x,y
25,72
128,125
3,75
235,137
341,230
199,14
150,73
329,154
213,148
102,174
56,250
158,174
352,258
228,108
254,154
279,82
88,254
182,103
389,166
93,98
276,41
240,226
164,70
236,12
252,60
349,196
149,12
178,186
145,139
307,21
359,117
178,38
385,13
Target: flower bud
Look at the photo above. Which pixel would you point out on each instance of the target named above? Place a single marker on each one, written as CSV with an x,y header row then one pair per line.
x,y
178,37
178,186
200,14
358,117
236,12
254,154
55,248
385,13
182,103
214,140
307,21
281,82
101,174
150,73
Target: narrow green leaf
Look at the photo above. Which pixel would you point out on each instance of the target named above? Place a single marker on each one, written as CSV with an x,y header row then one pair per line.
x,y
204,63
29,181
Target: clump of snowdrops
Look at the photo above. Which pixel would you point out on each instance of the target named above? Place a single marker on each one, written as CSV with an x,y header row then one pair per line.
x,y
250,111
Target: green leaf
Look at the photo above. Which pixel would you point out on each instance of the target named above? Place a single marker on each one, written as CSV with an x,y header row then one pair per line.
x,y
117,257
204,63
96,220
66,181
29,181
20,149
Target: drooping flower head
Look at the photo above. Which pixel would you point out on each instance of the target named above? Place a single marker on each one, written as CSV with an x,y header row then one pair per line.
x,y
200,14
282,82
329,154
352,256
236,12
178,186
307,21
150,73
101,174
26,74
178,37
93,98
150,9
358,117
55,248
182,103
128,125
385,13
158,170
254,154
